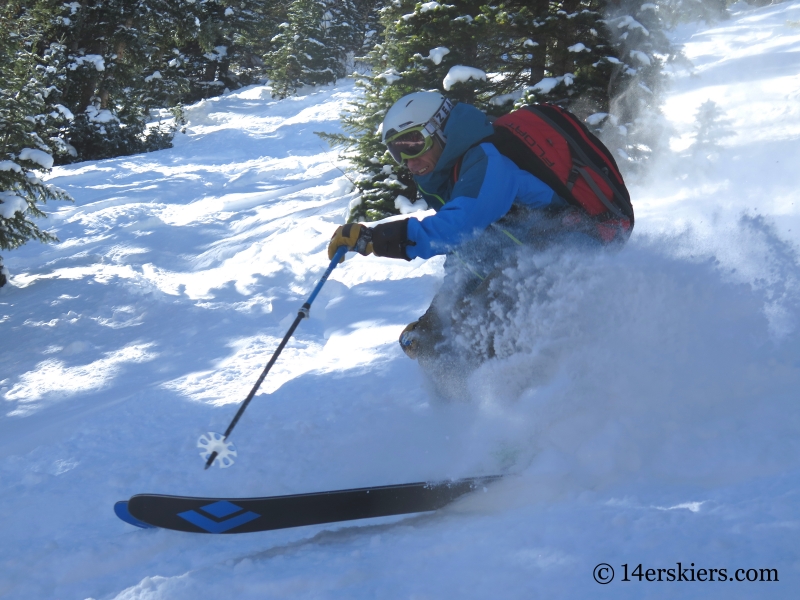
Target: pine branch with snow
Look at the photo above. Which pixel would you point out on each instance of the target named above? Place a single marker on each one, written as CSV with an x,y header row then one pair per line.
x,y
635,130
301,56
27,152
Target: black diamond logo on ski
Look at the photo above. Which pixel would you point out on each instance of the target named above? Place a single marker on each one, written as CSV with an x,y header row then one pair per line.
x,y
219,510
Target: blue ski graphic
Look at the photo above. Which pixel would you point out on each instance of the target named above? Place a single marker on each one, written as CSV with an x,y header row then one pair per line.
x,y
220,509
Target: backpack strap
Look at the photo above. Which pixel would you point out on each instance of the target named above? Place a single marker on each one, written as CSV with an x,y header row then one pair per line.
x,y
498,140
581,170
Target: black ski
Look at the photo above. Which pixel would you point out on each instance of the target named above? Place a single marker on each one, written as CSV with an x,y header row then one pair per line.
x,y
246,515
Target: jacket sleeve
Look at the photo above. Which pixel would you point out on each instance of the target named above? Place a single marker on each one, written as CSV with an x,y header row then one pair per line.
x,y
487,187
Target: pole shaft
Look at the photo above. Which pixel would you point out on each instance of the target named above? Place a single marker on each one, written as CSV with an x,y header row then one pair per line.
x,y
263,375
302,313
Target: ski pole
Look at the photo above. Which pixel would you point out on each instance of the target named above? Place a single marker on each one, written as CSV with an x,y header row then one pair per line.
x,y
301,314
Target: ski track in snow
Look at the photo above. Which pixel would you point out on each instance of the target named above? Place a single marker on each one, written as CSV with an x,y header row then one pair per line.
x,y
645,400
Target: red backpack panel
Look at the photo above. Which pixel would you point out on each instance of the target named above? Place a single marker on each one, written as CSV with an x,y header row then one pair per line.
x,y
555,146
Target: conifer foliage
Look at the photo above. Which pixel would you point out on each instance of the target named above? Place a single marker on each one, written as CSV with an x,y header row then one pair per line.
x,y
634,128
569,53
27,140
687,11
104,58
711,127
225,45
301,57
112,64
312,44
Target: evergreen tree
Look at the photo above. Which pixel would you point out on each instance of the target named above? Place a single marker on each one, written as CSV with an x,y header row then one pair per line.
x,y
370,28
301,56
635,128
25,138
689,11
106,66
119,59
105,56
570,52
226,47
344,30
711,127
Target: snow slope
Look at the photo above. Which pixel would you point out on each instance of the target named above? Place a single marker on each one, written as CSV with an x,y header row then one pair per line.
x,y
646,402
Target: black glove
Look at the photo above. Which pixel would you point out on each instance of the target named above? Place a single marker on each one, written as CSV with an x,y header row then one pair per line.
x,y
391,239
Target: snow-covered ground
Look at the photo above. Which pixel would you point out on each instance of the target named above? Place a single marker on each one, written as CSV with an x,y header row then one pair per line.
x,y
649,414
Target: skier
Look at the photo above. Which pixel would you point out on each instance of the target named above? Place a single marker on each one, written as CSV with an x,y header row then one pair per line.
x,y
488,209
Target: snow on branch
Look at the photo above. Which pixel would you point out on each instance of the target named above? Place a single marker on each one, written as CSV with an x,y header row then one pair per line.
x,y
461,74
437,54
628,22
641,57
546,85
390,76
10,204
93,59
43,159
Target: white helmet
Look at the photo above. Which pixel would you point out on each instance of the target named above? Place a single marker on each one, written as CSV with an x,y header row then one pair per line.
x,y
422,116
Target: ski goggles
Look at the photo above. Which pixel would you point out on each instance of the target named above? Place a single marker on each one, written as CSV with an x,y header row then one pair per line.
x,y
410,143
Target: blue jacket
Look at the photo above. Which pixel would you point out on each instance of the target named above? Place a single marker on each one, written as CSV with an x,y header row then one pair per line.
x,y
488,184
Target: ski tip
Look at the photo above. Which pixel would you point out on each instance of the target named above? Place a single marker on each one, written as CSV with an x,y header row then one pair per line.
x,y
121,510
